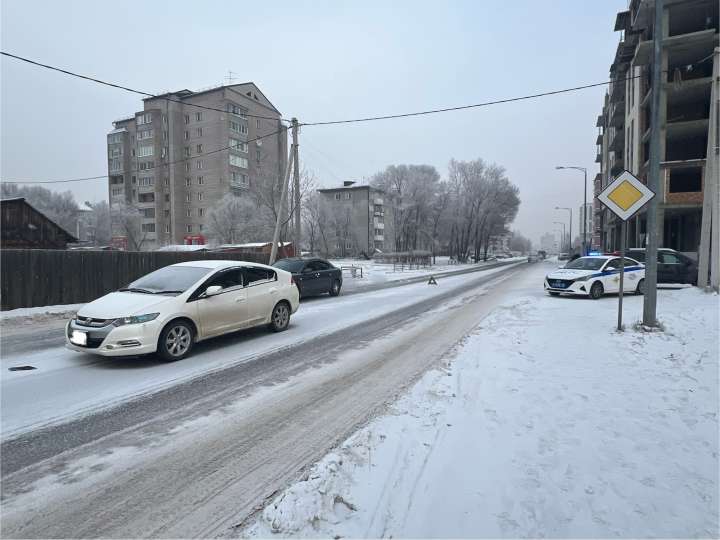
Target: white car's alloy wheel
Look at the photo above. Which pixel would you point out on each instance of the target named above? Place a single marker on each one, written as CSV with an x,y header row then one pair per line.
x,y
176,341
280,317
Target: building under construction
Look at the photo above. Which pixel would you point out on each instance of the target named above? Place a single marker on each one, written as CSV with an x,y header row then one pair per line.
x,y
689,38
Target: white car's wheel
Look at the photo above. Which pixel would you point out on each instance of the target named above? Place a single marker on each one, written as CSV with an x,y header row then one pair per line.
x,y
280,318
597,290
640,287
175,341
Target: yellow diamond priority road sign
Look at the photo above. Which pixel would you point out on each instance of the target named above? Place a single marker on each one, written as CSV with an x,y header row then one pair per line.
x,y
625,195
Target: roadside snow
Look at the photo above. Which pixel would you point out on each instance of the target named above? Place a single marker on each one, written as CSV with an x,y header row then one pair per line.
x,y
545,422
40,313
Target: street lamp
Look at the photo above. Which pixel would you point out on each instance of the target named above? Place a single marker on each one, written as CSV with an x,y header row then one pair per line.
x,y
563,232
570,229
584,170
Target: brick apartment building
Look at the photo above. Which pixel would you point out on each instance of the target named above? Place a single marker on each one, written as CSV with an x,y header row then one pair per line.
x,y
174,161
689,36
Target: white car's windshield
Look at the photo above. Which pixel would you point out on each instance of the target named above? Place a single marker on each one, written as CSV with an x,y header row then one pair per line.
x,y
585,263
168,280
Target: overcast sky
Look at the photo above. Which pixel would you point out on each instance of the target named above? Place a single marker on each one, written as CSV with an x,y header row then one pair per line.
x,y
323,60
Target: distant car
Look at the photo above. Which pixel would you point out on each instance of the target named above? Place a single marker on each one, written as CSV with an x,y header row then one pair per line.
x,y
542,254
170,309
563,257
313,276
595,276
672,267
532,258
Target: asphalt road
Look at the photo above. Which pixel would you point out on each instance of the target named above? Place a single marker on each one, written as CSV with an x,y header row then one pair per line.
x,y
196,459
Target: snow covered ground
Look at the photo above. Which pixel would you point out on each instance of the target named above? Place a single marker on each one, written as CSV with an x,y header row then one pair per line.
x,y
544,422
39,313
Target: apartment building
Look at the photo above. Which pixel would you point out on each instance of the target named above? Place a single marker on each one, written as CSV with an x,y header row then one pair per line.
x,y
358,219
689,36
585,213
178,157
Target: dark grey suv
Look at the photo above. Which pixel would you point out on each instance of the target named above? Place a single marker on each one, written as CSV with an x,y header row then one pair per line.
x,y
313,276
673,267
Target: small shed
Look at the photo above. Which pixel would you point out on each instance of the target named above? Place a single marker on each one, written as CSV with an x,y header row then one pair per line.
x,y
25,227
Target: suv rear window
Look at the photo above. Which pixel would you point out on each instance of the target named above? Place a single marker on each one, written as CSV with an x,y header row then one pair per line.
x,y
637,255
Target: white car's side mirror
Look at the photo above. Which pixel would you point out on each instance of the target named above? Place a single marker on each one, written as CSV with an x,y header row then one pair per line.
x,y
213,290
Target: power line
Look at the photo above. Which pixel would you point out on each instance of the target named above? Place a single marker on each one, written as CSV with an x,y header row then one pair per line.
x,y
231,147
121,87
464,107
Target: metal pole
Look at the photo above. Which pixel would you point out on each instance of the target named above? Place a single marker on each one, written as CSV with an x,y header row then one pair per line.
x,y
283,197
570,240
623,225
296,185
653,180
584,215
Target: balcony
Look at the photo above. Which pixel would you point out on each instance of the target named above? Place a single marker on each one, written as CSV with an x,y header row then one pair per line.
x,y
379,237
617,164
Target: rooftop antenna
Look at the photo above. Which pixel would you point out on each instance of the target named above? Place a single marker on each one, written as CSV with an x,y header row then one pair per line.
x,y
230,78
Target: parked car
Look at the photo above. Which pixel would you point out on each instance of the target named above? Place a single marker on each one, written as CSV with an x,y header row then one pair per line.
x,y
532,258
595,276
170,309
313,276
672,267
563,257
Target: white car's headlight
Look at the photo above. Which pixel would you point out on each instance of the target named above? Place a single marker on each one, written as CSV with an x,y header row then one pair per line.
x,y
136,319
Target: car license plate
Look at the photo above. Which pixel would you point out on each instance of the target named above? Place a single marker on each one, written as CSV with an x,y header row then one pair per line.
x,y
79,338
558,284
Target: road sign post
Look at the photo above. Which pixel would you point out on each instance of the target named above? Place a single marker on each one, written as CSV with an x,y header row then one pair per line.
x,y
624,196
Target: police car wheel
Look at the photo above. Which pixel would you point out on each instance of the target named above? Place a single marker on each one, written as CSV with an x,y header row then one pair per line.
x,y
640,287
596,291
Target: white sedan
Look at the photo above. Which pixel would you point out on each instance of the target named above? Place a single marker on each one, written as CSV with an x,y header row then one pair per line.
x,y
169,310
595,276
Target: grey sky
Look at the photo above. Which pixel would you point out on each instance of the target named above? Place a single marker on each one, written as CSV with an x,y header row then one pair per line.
x,y
323,60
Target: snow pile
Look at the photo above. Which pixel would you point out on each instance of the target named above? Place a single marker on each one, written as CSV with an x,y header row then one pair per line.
x,y
39,314
545,422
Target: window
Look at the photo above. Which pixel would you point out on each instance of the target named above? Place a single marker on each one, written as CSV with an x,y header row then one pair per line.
x,y
143,119
187,166
144,134
116,191
165,134
227,279
236,110
200,196
187,151
199,148
163,152
148,227
337,196
379,232
348,245
188,228
147,181
132,152
238,161
187,181
257,155
147,165
237,144
201,180
134,180
199,164
187,197
255,276
187,212
257,123
198,132
167,197
115,165
167,213
145,151
239,179
200,227
201,212
166,181
187,135
146,197
115,138
187,119
164,119
348,195
243,129
669,258
148,212
198,116
167,229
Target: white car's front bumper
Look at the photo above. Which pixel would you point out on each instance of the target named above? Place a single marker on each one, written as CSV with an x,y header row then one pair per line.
x,y
110,340
581,288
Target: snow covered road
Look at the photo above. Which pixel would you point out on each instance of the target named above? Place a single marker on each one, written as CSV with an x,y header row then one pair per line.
x,y
212,437
544,422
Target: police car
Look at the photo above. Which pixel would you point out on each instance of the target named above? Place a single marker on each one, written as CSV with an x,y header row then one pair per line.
x,y
596,275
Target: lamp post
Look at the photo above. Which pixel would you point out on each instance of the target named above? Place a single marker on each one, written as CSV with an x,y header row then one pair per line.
x,y
570,228
584,170
563,232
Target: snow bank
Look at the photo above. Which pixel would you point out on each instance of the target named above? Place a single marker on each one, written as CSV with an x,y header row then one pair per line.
x,y
40,313
545,422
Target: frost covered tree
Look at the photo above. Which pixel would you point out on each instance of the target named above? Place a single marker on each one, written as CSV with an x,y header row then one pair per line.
x,y
235,219
99,223
126,221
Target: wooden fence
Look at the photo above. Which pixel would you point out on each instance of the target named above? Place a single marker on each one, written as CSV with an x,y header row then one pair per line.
x,y
39,277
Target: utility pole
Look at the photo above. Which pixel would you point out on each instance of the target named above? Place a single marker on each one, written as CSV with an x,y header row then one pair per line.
x,y
283,197
296,185
653,179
